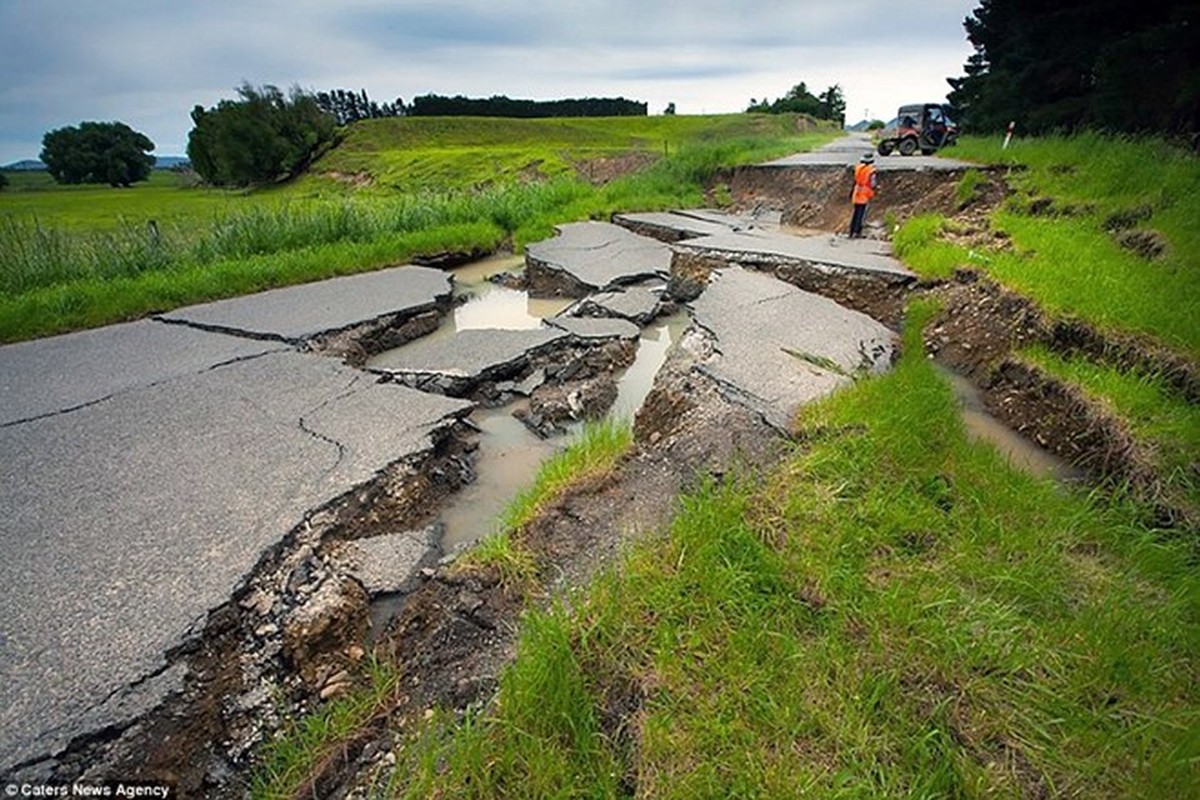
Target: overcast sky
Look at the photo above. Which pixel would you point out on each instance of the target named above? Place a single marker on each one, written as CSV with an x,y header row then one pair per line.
x,y
148,62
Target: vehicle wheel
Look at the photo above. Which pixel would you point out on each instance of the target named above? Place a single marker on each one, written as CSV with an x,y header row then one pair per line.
x,y
885,147
927,151
907,146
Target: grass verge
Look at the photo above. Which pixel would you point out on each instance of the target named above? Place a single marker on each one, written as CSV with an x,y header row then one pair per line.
x,y
1075,198
1155,414
893,613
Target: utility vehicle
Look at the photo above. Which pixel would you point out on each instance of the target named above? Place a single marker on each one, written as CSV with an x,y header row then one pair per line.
x,y
922,126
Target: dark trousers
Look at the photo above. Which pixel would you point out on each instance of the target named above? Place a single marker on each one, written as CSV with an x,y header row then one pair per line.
x,y
856,221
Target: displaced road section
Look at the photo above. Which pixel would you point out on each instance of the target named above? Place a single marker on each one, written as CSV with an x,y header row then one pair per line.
x,y
848,150
298,313
588,256
776,347
147,470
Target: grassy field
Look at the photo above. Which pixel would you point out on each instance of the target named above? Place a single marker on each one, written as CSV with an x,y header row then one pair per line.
x,y
76,257
893,613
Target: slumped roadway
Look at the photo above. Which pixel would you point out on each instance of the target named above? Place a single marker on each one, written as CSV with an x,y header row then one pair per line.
x,y
148,467
155,467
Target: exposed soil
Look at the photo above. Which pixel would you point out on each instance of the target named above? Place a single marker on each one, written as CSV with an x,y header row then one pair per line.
x,y
819,197
599,171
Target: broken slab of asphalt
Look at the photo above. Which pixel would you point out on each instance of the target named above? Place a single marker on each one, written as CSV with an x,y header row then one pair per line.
x,y
587,257
674,226
638,304
298,314
858,273
456,365
824,252
776,347
127,521
595,327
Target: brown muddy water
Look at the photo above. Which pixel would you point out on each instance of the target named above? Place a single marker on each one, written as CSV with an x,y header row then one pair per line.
x,y
1016,449
509,455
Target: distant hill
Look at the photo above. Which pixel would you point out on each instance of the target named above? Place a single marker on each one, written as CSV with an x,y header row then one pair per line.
x,y
34,165
170,162
25,165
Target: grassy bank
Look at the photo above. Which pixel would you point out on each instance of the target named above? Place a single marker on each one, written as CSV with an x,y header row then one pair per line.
x,y
64,264
1167,424
893,613
1075,197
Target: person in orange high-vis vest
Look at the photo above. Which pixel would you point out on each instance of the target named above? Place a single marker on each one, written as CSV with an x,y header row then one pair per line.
x,y
865,182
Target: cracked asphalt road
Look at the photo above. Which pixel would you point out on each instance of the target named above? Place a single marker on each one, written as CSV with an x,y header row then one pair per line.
x,y
146,470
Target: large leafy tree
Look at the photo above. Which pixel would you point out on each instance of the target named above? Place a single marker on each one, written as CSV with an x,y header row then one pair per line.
x,y
1107,64
98,152
261,137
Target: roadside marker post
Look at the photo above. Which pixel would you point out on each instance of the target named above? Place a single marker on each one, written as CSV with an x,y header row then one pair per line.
x,y
1008,134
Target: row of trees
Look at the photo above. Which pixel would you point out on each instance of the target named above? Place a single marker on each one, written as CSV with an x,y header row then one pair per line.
x,y
347,107
435,105
1071,64
830,104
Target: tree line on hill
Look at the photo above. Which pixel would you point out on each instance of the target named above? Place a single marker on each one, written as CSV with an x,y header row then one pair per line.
x,y
1073,64
266,135
830,104
435,105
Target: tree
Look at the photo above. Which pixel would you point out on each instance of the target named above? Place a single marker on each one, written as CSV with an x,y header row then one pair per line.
x,y
799,100
833,105
669,110
347,107
1106,64
98,152
3,180
264,136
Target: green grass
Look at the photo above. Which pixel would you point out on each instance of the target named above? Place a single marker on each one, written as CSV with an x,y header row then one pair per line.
x,y
893,613
591,457
1155,413
85,256
449,153
1071,265
289,759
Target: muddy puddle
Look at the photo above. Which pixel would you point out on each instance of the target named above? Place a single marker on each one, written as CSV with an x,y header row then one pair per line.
x,y
483,304
509,454
1019,451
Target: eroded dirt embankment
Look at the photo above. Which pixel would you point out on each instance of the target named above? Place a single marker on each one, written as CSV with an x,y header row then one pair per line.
x,y
818,197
